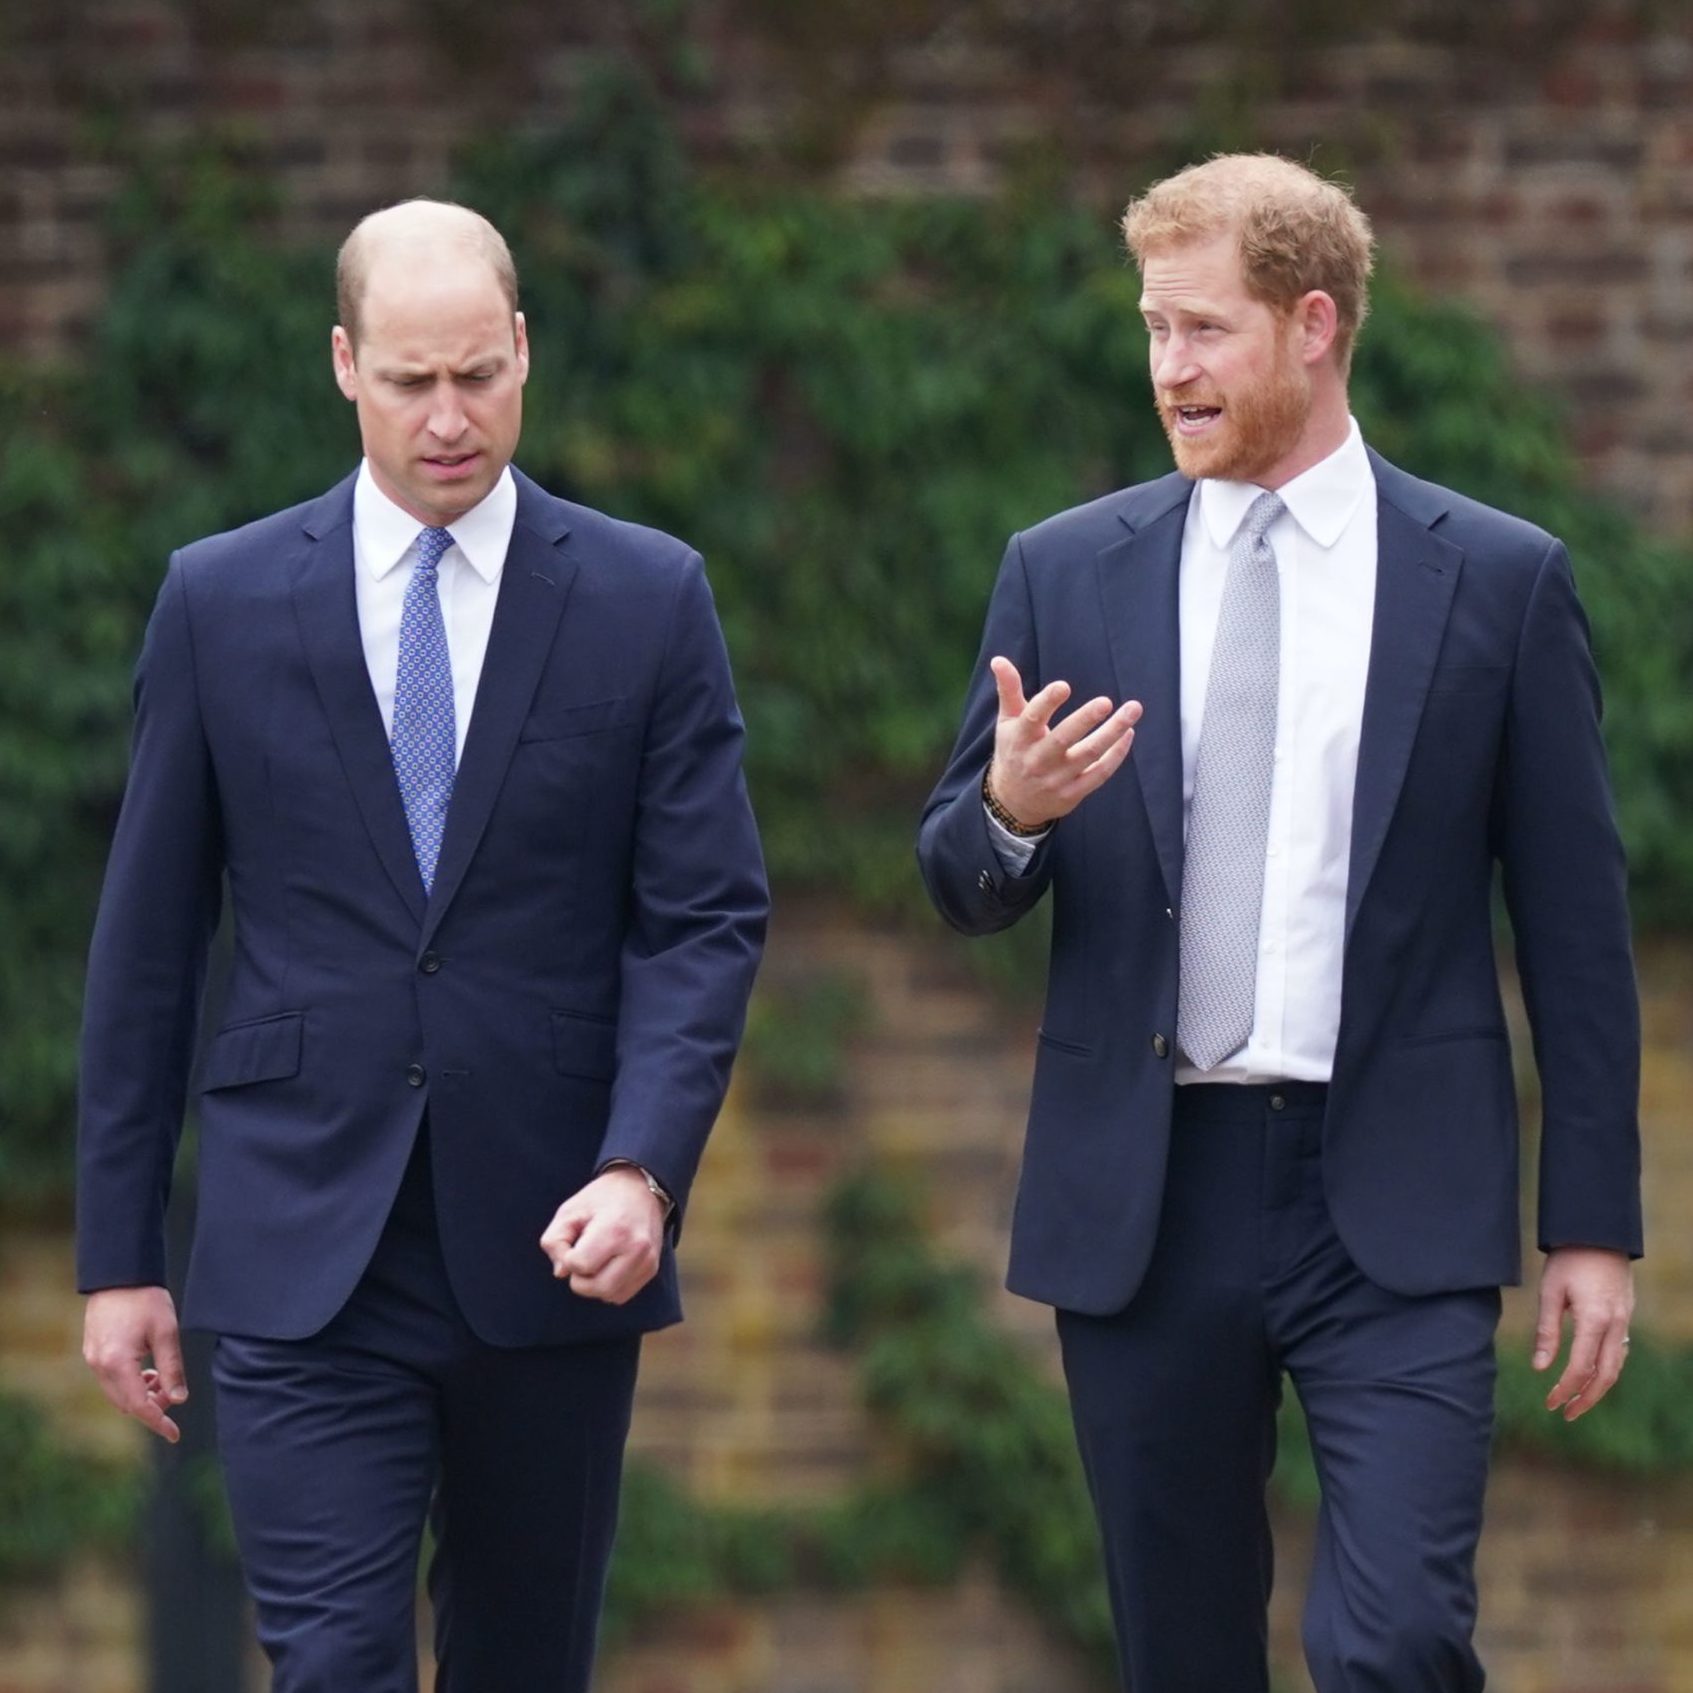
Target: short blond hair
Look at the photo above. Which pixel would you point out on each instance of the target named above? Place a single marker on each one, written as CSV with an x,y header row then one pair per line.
x,y
1296,230
419,224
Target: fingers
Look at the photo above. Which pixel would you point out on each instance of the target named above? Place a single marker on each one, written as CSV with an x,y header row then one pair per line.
x,y
172,1379
1583,1362
1085,748
1029,715
1548,1324
607,1241
561,1235
123,1327
1010,686
1613,1354
611,1261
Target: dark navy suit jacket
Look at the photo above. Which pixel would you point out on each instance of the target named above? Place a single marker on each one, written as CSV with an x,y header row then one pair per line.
x,y
572,990
1480,746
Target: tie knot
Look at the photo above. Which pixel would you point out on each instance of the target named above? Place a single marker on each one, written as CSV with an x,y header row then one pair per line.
x,y
431,546
1263,512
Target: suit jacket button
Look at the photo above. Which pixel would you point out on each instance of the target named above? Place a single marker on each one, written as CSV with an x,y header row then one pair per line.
x,y
429,963
1160,1046
416,1075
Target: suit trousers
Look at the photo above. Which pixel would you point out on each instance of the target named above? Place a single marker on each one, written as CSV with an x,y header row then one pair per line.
x,y
338,1447
1174,1401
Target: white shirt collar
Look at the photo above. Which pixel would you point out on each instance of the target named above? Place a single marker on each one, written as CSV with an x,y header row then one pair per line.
x,y
1320,500
386,533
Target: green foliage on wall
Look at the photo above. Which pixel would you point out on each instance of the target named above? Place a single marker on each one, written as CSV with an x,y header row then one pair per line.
x,y
978,1463
54,1502
847,404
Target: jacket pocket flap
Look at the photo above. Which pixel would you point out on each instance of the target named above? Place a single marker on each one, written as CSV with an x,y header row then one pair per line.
x,y
556,723
584,1045
267,1050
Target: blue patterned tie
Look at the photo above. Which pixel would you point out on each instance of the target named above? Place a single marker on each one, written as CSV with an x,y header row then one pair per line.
x,y
425,734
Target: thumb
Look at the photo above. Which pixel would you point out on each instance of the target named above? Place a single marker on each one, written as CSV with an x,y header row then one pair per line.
x,y
563,1231
1010,686
1548,1326
167,1359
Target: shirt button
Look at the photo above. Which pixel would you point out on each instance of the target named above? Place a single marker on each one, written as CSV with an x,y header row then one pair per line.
x,y
1160,1047
416,1075
429,963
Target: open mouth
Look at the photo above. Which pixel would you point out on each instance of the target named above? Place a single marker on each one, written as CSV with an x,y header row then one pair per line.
x,y
1195,420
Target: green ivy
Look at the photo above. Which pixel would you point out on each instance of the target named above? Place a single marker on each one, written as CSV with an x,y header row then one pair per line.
x,y
54,1502
978,1458
847,403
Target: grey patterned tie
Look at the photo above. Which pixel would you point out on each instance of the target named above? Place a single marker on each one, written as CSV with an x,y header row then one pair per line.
x,y
1229,820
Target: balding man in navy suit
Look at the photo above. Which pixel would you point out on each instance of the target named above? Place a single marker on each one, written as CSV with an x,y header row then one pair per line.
x,y
468,760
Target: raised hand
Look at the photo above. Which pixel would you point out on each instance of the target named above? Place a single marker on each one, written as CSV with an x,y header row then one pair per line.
x,y
1042,771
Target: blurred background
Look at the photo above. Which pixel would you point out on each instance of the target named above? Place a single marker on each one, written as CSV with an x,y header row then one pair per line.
x,y
834,292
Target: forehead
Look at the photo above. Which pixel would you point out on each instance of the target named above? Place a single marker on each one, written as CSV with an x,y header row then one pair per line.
x,y
433,305
1192,273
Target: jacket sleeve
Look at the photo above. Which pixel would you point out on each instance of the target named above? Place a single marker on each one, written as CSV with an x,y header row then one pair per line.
x,y
1566,889
699,903
147,963
965,876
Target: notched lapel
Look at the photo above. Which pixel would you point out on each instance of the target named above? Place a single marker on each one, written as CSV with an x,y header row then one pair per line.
x,y
1138,579
326,609
534,585
1416,577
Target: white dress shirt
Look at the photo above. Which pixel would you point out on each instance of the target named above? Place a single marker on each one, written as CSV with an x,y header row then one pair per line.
x,y
1325,547
384,541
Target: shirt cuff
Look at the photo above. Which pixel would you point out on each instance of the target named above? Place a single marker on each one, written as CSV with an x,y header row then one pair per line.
x,y
1012,851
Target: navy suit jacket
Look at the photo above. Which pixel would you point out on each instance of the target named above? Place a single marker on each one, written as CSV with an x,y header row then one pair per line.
x,y
1480,745
571,991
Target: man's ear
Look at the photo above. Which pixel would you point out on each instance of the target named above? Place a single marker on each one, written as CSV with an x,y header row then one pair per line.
x,y
341,355
1316,321
520,335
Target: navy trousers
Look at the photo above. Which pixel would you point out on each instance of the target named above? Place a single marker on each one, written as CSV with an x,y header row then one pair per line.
x,y
337,1448
1174,1401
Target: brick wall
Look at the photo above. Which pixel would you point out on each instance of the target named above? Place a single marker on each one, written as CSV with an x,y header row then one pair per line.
x,y
1546,176
1584,1579
1545,180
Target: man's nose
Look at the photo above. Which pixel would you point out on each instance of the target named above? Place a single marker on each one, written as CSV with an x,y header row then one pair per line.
x,y
446,416
1173,365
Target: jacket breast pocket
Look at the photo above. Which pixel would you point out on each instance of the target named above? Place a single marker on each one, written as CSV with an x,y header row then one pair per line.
x,y
1451,679
584,1046
560,723
266,1049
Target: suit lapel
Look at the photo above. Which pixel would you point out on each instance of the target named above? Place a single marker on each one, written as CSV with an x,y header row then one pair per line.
x,y
326,610
534,585
1416,576
1138,581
